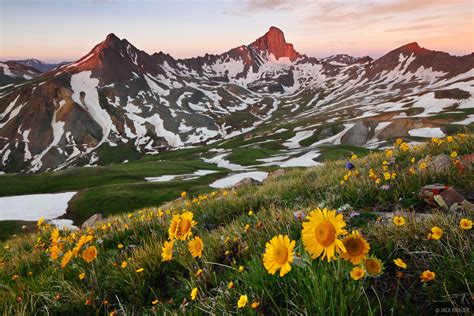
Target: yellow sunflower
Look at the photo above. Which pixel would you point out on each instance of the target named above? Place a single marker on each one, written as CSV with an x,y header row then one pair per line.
x,y
356,246
89,254
194,293
242,302
436,233
173,229
279,254
400,263
321,231
67,257
185,226
167,251
373,266
465,224
427,275
357,273
195,246
399,220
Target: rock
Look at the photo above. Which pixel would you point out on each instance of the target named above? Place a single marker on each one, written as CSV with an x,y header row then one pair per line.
x,y
450,196
466,162
467,207
276,173
90,222
246,182
428,192
357,135
441,163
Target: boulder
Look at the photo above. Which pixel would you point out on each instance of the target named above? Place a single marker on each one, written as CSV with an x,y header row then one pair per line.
x,y
91,221
441,163
357,135
276,173
428,192
466,162
246,182
450,196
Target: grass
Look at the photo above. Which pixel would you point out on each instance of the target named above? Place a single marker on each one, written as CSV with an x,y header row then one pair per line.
x,y
31,281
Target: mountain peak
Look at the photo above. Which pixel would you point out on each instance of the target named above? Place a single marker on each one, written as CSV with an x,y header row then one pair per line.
x,y
111,40
274,43
411,48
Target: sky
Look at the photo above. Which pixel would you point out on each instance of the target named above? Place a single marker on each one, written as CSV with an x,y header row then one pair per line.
x,y
65,30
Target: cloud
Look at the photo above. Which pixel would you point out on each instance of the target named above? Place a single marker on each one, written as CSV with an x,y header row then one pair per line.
x,y
402,6
415,27
266,4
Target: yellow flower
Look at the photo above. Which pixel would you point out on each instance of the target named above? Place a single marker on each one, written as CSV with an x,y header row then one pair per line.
x,y
198,273
399,220
242,302
422,165
194,293
181,225
436,233
89,254
427,275
195,247
356,246
279,255
399,141
230,285
377,180
400,263
354,157
40,221
54,252
386,175
67,257
321,231
183,194
373,266
255,304
465,224
250,213
454,154
449,139
119,246
388,153
413,160
357,273
82,276
140,270
247,228
124,264
241,268
154,302
167,251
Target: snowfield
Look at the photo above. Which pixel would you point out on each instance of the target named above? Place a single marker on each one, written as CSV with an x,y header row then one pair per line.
x,y
34,206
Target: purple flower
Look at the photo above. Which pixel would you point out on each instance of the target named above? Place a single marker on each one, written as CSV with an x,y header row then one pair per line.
x,y
299,215
385,187
350,165
353,214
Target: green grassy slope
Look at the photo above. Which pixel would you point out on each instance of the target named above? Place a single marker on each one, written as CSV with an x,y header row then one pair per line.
x,y
235,240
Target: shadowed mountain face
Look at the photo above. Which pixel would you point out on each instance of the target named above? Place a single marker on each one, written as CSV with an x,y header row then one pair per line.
x,y
118,98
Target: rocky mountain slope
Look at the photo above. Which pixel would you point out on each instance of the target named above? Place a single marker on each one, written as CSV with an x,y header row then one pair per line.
x,y
12,72
39,65
118,98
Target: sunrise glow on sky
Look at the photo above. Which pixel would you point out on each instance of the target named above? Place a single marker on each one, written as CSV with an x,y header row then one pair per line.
x,y
57,30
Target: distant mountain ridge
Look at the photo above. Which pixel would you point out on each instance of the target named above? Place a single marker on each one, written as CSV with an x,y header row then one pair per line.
x,y
39,65
120,99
